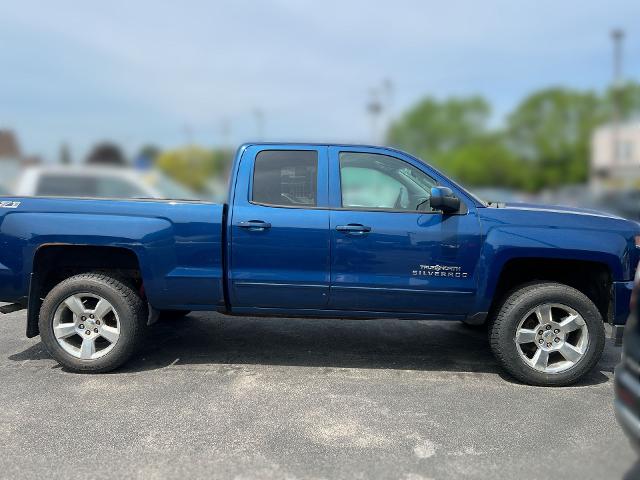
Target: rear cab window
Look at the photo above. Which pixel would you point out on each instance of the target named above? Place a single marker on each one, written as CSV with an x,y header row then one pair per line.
x,y
287,178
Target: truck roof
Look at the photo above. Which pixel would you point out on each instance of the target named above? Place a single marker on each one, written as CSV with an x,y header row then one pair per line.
x,y
328,144
319,144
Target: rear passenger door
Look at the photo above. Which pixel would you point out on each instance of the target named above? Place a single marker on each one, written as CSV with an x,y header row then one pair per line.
x,y
279,249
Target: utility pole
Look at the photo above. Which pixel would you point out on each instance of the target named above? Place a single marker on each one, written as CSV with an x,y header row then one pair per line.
x,y
380,106
65,155
617,35
388,89
259,116
225,133
374,107
188,134
189,149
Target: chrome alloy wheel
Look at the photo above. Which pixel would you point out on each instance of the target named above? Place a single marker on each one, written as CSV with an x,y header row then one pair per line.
x,y
86,326
552,338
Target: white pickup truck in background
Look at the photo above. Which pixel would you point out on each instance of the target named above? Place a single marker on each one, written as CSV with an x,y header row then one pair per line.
x,y
95,182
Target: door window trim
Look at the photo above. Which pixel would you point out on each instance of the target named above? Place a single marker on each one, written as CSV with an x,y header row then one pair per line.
x,y
327,157
464,210
253,181
320,177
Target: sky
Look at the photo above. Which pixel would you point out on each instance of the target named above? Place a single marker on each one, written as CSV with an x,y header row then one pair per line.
x,y
171,73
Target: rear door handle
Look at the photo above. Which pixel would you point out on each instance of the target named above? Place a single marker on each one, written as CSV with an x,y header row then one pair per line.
x,y
353,228
254,225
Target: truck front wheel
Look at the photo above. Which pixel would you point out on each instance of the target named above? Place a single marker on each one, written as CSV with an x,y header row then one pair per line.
x,y
91,322
547,334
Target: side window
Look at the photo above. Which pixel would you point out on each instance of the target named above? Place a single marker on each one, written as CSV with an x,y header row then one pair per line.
x,y
57,185
374,181
286,178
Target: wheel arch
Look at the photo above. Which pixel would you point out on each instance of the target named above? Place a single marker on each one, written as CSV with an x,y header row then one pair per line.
x,y
54,262
591,277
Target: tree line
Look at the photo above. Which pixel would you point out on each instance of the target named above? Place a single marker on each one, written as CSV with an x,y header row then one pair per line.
x,y
544,142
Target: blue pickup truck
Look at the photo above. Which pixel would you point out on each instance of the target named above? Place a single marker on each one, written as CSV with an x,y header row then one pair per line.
x,y
322,231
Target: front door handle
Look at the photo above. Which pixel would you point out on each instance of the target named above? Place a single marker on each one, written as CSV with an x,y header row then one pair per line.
x,y
254,225
353,228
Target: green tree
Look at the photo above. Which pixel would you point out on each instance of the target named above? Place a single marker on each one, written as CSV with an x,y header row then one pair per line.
x,y
222,160
192,166
149,151
487,162
433,129
627,96
545,142
106,153
195,166
551,130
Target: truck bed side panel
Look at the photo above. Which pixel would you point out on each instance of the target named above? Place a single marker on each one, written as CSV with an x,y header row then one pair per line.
x,y
178,244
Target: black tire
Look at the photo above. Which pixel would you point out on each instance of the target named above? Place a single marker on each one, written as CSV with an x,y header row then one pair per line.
x,y
172,315
128,305
502,332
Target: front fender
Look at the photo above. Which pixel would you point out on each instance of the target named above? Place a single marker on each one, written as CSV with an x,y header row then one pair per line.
x,y
505,243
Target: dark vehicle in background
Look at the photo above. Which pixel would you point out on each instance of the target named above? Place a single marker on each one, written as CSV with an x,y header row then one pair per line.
x,y
625,203
627,376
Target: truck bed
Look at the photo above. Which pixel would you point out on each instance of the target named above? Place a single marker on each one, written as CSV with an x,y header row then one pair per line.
x,y
178,244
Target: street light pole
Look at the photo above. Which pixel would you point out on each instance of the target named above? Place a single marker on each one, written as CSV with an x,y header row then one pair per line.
x,y
259,116
387,86
225,133
617,35
374,107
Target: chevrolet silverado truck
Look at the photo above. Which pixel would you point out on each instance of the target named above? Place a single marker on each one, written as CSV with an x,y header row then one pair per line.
x,y
338,231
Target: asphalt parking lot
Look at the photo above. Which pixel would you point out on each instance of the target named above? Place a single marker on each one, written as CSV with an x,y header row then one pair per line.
x,y
210,396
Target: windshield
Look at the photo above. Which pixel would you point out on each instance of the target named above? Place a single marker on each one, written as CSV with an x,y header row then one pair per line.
x,y
477,198
455,184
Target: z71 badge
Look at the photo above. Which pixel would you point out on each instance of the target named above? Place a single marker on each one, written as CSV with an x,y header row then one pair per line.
x,y
9,204
440,271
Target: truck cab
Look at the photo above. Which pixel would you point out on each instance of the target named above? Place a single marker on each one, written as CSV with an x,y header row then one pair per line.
x,y
348,229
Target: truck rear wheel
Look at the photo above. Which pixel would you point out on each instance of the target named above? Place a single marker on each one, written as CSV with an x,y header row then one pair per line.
x,y
92,322
547,334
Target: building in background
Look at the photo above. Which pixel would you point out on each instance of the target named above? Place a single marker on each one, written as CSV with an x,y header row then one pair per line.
x,y
615,156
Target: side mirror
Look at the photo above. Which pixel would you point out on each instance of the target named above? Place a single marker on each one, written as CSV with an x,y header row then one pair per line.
x,y
442,198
